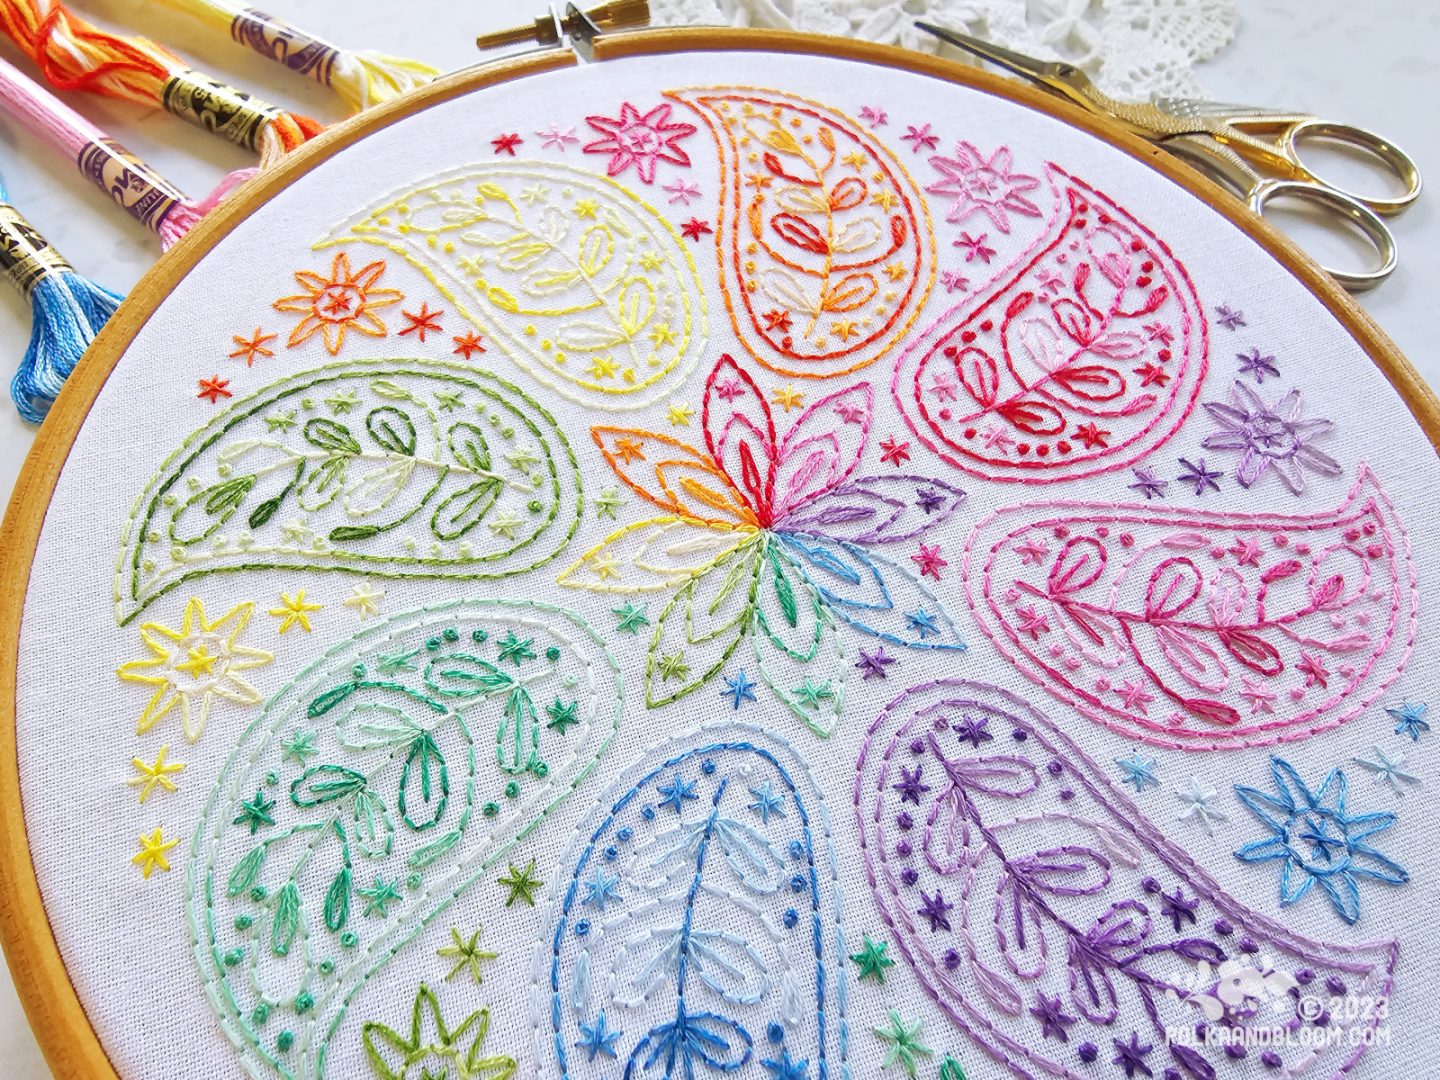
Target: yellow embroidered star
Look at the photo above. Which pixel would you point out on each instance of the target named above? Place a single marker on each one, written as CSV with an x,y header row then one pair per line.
x,y
153,849
884,198
844,330
190,666
364,599
651,261
855,159
787,397
296,612
153,776
603,367
604,566
661,334
680,415
896,271
586,208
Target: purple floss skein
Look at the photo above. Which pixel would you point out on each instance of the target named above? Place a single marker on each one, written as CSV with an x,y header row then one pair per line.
x,y
67,311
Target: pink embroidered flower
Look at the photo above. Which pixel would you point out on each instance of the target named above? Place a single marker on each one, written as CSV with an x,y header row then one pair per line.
x,y
642,141
983,186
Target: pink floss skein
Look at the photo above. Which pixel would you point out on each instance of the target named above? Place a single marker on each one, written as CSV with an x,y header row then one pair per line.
x,y
138,189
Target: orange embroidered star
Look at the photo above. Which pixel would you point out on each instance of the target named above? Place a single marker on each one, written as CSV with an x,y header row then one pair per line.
x,y
844,329
249,348
345,300
465,344
629,450
214,389
422,322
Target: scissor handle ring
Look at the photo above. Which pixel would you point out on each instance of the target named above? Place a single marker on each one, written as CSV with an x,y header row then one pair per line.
x,y
1365,219
1395,159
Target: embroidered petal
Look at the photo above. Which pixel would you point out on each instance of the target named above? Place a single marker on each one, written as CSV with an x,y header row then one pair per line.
x,y
877,509
740,434
673,475
822,448
660,553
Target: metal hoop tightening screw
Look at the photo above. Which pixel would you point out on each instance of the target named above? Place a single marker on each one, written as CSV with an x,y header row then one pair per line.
x,y
1364,219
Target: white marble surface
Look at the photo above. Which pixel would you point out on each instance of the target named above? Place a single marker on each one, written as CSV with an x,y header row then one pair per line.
x,y
1370,63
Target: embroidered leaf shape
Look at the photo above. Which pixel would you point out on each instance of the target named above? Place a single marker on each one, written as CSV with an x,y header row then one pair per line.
x,y
827,257
610,315
1053,371
417,494
389,802
702,908
1096,927
1198,629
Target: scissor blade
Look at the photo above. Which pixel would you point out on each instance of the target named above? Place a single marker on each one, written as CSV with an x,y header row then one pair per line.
x,y
1027,66
1195,109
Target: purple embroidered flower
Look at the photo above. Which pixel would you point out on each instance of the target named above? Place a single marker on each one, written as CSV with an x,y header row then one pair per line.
x,y
1146,481
1252,363
1230,318
1131,1056
983,185
935,909
1053,1020
1203,479
1269,437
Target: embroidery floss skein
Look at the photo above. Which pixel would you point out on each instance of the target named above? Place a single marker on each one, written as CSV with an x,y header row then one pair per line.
x,y
361,79
67,311
76,55
142,192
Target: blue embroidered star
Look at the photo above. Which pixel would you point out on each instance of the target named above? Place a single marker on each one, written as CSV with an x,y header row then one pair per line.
x,y
767,802
678,791
601,888
596,1039
787,1068
1317,839
1411,720
1138,771
739,689
923,623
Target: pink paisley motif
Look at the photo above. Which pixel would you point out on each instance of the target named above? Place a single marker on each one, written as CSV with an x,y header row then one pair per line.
x,y
1200,630
1048,919
1086,355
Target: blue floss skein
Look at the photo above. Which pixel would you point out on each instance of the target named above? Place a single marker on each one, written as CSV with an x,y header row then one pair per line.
x,y
68,310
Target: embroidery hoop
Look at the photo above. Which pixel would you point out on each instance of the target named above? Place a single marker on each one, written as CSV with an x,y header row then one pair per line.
x,y
70,1043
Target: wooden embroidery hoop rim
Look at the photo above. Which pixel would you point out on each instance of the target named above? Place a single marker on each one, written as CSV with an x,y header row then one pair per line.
x,y
71,1046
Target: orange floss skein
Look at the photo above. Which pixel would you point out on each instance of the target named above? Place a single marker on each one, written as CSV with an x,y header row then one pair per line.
x,y
74,54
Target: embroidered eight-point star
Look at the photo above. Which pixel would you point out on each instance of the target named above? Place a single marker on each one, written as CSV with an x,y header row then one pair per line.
x,y
766,535
639,140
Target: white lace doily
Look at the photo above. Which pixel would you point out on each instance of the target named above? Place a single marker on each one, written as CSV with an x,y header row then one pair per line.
x,y
1132,48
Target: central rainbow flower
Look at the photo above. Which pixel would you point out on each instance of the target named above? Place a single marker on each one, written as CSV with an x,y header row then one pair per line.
x,y
767,536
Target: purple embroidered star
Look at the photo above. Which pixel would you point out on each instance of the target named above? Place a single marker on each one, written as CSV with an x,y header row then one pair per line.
x,y
1053,1020
873,115
953,280
873,665
1271,438
1252,363
1230,318
1178,909
1147,482
1131,1056
974,247
935,909
910,786
929,500
983,185
973,731
919,137
682,191
1201,478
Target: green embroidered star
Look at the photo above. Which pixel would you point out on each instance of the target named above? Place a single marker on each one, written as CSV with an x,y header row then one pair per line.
x,y
872,959
631,617
300,747
813,694
343,402
468,954
521,883
562,716
905,1044
521,459
513,648
449,400
390,663
256,812
380,896
607,502
280,421
674,666
505,523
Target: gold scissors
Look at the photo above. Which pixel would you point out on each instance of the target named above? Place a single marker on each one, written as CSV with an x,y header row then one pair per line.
x,y
1254,152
